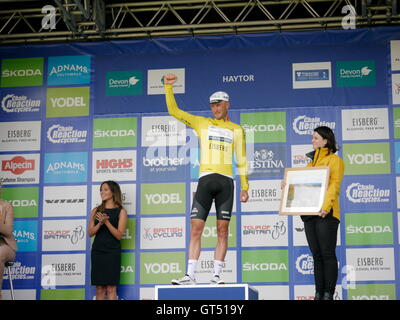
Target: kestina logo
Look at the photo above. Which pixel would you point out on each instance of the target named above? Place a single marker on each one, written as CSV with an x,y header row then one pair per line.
x,y
267,161
18,165
12,103
360,193
304,125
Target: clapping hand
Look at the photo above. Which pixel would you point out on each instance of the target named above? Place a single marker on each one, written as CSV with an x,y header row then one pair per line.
x,y
102,217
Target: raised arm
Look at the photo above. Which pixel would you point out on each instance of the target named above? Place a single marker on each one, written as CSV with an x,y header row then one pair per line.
x,y
173,109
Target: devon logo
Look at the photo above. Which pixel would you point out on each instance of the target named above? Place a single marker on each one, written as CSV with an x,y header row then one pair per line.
x,y
355,73
124,83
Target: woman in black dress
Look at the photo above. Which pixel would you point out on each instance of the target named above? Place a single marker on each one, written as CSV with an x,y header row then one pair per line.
x,y
108,222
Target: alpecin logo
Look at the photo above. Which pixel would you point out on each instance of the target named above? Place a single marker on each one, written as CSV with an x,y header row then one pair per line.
x,y
18,165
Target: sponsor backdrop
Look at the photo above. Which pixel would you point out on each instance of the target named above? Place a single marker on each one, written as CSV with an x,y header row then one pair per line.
x,y
72,116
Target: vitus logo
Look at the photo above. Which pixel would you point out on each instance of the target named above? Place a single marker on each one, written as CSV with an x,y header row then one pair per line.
x,y
18,165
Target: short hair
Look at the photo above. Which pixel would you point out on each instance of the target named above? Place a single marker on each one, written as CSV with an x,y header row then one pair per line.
x,y
327,133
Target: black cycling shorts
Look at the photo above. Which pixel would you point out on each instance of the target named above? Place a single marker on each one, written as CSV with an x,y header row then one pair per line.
x,y
213,187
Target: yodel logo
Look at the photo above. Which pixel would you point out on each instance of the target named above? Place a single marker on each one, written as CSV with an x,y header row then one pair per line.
x,y
18,165
163,267
303,125
65,102
305,264
60,134
366,158
360,193
163,198
15,103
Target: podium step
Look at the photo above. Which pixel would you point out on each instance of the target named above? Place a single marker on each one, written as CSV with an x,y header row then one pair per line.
x,y
206,292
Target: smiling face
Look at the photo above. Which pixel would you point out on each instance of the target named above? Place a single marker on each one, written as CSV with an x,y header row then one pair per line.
x,y
220,109
105,192
317,141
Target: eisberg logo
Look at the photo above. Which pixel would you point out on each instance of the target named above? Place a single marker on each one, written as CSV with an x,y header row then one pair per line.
x,y
305,264
15,103
60,134
361,193
303,125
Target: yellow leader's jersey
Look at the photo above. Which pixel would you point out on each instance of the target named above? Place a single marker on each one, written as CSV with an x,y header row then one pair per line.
x,y
218,140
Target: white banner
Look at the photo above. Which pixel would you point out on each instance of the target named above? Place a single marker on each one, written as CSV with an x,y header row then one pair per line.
x,y
65,201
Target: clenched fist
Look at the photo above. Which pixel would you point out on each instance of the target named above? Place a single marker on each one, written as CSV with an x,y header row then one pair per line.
x,y
170,78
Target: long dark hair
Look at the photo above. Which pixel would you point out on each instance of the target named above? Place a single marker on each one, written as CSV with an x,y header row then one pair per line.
x,y
116,192
327,133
